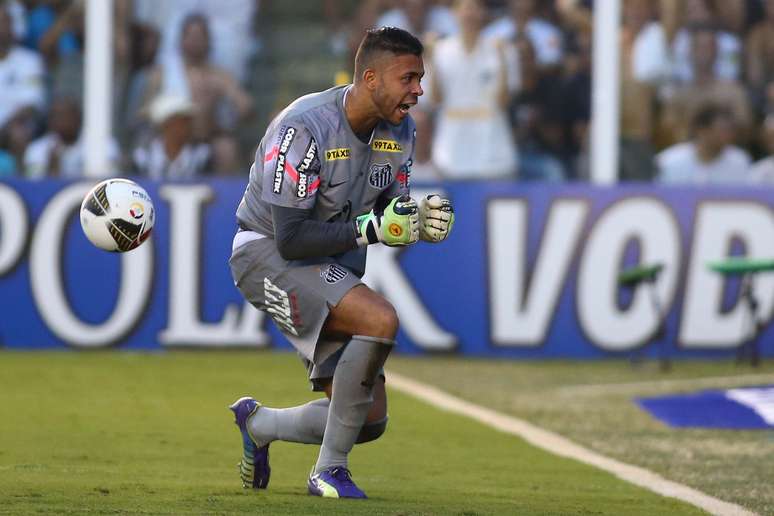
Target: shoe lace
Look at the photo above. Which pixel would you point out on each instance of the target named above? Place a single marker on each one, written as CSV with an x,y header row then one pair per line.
x,y
342,475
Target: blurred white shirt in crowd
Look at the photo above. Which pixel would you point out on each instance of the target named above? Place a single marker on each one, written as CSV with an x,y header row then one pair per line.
x,y
651,62
681,164
21,82
440,20
37,158
727,63
544,36
152,161
473,138
763,171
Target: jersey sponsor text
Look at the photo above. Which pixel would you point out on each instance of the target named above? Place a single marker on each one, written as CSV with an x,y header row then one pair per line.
x,y
335,154
279,171
386,146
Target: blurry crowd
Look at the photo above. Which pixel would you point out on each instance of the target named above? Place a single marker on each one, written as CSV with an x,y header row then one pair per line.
x,y
507,89
178,100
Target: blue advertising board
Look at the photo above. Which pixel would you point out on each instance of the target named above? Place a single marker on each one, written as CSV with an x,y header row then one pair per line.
x,y
530,271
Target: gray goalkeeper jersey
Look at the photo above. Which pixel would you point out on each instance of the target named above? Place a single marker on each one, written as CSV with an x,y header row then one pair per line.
x,y
311,159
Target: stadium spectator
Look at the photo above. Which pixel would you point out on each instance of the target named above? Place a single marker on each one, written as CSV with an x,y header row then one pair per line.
x,y
60,152
760,55
728,56
763,171
705,87
421,18
230,22
55,29
173,154
220,100
538,114
22,74
644,66
137,129
472,80
15,137
710,157
523,18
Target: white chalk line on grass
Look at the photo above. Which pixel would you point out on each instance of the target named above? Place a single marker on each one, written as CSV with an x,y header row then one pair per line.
x,y
558,445
691,383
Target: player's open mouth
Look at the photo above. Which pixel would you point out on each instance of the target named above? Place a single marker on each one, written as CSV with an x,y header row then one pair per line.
x,y
404,108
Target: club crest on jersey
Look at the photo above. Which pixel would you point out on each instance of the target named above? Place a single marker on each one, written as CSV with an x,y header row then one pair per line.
x,y
333,273
336,154
386,146
279,170
380,175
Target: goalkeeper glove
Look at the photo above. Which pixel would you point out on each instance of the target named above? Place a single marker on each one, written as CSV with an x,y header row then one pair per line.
x,y
436,218
398,225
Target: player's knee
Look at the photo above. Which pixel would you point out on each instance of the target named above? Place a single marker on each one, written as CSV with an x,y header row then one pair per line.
x,y
384,321
372,431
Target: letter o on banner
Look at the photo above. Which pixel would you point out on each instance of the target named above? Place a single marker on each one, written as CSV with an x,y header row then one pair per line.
x,y
651,222
14,225
48,286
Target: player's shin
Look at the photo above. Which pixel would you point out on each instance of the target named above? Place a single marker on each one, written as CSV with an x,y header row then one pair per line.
x,y
301,424
353,386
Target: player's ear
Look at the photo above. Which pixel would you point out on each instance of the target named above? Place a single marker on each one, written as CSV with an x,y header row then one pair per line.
x,y
369,79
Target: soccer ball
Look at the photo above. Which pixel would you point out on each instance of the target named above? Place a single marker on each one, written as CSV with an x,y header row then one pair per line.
x,y
117,215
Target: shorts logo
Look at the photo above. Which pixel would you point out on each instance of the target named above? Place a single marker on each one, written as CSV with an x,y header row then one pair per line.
x,y
336,154
386,146
380,175
279,171
309,160
278,306
333,273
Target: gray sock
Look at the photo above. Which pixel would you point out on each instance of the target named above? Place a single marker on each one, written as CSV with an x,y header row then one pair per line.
x,y
301,424
353,385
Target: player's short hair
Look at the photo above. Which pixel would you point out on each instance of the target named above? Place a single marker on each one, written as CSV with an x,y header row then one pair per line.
x,y
385,39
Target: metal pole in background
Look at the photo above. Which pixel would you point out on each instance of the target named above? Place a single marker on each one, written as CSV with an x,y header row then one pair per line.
x,y
97,98
605,92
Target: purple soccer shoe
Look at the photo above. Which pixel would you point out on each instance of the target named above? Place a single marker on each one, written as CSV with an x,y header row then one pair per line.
x,y
335,482
254,467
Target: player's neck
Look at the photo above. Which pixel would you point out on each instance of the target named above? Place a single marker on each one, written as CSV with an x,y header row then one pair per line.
x,y
360,113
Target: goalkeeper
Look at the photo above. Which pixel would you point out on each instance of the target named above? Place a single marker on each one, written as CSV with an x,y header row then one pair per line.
x,y
330,178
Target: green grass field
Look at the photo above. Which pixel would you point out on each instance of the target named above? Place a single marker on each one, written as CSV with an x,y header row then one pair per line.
x,y
150,434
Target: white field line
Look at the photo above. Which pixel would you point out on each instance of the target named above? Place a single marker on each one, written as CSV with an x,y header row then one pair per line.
x,y
559,445
691,383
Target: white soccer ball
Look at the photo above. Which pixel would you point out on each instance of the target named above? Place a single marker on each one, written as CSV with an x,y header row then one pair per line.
x,y
117,215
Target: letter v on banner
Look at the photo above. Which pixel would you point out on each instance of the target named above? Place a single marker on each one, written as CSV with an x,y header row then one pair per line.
x,y
521,313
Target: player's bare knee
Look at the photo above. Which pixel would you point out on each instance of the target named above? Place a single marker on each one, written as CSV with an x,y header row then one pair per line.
x,y
383,321
372,431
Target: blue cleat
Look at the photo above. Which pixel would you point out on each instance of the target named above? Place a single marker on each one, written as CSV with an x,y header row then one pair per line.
x,y
335,482
254,467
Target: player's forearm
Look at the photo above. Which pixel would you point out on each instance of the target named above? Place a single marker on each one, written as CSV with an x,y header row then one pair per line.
x,y
299,237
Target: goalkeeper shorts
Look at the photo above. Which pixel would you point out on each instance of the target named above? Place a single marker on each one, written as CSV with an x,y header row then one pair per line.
x,y
296,296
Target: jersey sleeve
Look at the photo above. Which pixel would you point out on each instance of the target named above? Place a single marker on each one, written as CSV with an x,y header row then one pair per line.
x,y
291,167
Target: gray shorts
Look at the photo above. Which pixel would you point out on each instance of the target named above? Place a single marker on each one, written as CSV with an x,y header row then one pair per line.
x,y
296,295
